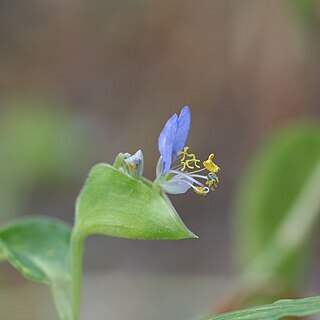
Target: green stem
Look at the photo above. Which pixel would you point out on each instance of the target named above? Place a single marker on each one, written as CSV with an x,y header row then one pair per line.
x,y
77,242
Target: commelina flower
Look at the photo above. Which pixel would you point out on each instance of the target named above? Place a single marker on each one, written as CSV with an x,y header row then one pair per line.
x,y
178,170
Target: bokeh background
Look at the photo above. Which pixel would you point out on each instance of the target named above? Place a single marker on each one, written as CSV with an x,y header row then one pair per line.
x,y
81,81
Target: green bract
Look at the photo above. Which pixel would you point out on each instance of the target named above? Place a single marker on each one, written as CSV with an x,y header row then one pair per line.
x,y
116,204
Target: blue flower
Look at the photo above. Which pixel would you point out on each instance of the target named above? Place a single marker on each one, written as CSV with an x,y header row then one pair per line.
x,y
178,170
173,137
178,178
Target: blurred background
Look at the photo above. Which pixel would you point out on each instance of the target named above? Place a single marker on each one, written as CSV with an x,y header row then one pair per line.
x,y
81,81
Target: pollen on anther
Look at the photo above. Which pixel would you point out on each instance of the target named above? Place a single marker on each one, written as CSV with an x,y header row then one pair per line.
x,y
210,165
201,190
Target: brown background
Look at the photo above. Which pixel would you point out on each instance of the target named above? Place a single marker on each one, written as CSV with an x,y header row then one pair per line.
x,y
124,67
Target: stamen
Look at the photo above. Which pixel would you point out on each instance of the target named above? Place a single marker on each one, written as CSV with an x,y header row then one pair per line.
x,y
180,155
198,176
132,165
213,177
200,170
188,160
201,190
177,167
210,165
212,185
181,175
212,180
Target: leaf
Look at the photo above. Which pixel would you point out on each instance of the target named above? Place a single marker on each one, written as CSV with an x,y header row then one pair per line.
x,y
278,202
305,11
116,204
276,310
2,257
39,140
39,249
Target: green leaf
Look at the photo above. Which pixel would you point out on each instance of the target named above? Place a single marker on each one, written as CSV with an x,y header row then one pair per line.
x,y
39,249
2,257
278,203
116,204
276,310
305,11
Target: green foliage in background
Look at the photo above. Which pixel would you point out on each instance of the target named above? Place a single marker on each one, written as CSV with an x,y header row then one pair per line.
x,y
39,249
306,11
278,204
38,141
276,310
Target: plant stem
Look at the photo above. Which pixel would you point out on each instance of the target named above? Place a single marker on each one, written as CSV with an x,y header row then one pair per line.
x,y
77,241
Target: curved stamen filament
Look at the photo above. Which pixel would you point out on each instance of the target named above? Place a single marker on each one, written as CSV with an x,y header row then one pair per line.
x,y
177,167
198,176
182,176
196,171
198,190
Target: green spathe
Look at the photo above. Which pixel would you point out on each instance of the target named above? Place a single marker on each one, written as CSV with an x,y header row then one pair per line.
x,y
115,204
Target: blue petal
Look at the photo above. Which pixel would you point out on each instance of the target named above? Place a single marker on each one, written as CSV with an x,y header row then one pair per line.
x,y
183,130
166,140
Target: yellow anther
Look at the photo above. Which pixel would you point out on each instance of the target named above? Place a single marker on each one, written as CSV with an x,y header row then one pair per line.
x,y
210,165
212,184
212,180
132,165
201,190
188,160
212,177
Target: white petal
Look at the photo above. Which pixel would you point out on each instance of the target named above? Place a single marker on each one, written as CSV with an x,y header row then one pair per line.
x,y
176,186
138,159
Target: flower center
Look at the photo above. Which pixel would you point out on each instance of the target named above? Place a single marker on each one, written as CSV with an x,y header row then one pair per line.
x,y
190,161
